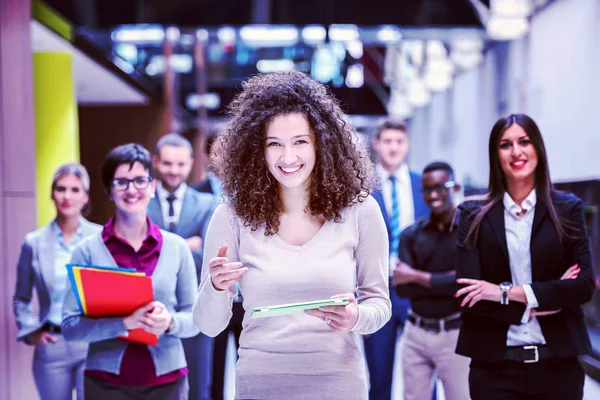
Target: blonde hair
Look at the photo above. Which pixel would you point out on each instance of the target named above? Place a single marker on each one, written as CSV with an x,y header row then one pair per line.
x,y
75,169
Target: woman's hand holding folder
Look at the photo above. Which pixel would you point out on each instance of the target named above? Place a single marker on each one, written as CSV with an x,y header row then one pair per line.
x,y
138,319
153,318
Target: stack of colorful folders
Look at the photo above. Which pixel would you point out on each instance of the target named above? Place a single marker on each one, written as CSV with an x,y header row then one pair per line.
x,y
112,292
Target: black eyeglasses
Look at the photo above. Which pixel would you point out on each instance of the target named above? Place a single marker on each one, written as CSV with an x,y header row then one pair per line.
x,y
139,182
438,188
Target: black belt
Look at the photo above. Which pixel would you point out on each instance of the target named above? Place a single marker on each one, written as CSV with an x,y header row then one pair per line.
x,y
528,354
435,325
51,328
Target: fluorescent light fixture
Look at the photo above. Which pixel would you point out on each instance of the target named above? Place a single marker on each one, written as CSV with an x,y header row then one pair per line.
x,y
268,66
314,34
226,34
355,76
355,48
507,28
389,34
210,101
343,33
139,34
269,36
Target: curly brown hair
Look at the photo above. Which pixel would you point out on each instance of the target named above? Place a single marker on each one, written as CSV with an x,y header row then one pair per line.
x,y
342,175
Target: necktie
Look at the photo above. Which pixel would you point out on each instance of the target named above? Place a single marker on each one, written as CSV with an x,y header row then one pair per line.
x,y
171,221
395,220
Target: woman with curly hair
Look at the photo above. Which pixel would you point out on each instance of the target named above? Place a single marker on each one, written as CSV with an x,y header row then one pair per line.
x,y
299,225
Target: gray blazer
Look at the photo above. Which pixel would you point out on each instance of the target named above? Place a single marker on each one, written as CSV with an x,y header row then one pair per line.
x,y
36,270
174,284
196,211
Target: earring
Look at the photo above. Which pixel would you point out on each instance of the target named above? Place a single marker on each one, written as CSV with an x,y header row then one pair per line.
x,y
153,195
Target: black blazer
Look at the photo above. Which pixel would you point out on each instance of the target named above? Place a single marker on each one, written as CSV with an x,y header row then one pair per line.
x,y
485,326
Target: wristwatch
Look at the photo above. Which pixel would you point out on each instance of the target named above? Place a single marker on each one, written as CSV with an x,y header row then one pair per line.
x,y
505,287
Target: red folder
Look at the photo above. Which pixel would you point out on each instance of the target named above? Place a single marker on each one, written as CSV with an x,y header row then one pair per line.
x,y
110,294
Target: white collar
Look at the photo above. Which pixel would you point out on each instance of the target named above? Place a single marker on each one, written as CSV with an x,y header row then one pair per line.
x,y
513,208
402,174
164,193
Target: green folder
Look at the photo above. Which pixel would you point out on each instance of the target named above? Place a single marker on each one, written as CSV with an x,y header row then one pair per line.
x,y
296,308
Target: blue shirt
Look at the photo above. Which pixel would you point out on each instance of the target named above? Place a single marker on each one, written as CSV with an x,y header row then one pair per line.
x,y
62,256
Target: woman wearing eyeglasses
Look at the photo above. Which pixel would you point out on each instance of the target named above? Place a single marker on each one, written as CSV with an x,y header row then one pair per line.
x,y
525,262
119,369
57,365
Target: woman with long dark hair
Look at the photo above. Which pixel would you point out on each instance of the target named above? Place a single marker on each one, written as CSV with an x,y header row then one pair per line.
x,y
525,266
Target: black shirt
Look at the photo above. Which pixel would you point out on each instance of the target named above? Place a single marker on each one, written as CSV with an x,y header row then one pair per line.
x,y
424,247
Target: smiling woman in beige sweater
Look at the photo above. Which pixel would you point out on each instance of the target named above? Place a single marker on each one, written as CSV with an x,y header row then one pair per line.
x,y
298,225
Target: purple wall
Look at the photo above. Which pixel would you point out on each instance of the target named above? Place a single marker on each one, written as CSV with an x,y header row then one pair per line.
x,y
17,185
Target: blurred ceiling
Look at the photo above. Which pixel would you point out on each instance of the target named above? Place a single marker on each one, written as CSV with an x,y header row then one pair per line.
x,y
407,13
228,63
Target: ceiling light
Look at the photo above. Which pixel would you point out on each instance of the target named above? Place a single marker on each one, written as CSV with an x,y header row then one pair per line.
x,y
355,77
342,33
389,34
269,36
314,34
139,34
226,34
507,28
355,49
268,66
173,34
511,8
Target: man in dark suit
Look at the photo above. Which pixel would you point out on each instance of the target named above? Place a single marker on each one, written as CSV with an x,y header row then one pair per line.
x,y
401,203
186,212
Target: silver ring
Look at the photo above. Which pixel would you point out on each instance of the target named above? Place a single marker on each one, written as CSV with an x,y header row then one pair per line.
x,y
327,320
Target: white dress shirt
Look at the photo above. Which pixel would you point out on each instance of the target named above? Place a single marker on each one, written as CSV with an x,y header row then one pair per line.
x,y
162,194
62,256
404,192
518,240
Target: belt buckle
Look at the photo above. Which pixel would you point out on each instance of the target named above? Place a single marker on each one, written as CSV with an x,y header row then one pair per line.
x,y
536,353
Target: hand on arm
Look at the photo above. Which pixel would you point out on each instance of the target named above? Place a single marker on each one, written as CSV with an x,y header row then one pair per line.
x,y
405,274
477,290
339,318
571,273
